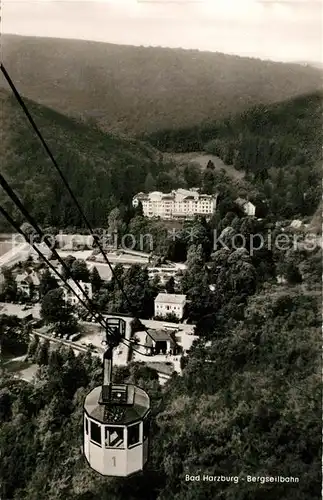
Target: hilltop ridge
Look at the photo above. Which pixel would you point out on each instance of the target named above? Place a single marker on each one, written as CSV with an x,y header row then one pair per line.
x,y
104,170
133,90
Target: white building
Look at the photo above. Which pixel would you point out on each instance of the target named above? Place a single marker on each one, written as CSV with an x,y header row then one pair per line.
x,y
28,284
296,224
180,203
71,298
160,342
248,207
21,252
170,303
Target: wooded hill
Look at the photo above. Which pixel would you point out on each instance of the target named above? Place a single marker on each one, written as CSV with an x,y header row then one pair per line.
x,y
293,128
278,146
248,404
104,170
144,89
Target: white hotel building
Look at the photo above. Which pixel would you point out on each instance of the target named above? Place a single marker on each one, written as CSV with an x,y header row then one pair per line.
x,y
180,203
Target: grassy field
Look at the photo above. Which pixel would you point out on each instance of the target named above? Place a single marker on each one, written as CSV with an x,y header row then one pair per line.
x,y
202,160
16,365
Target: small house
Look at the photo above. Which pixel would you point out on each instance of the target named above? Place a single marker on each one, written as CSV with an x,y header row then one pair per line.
x,y
28,284
74,298
248,207
160,342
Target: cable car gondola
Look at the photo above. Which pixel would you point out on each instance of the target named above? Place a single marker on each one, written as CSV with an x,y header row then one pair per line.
x,y
116,420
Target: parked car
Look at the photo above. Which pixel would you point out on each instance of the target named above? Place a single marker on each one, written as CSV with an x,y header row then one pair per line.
x,y
75,337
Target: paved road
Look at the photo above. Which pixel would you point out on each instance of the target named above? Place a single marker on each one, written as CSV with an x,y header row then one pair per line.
x,y
18,310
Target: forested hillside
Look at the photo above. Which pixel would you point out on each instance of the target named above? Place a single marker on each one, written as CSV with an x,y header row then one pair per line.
x,y
247,404
249,398
103,170
281,160
143,89
278,146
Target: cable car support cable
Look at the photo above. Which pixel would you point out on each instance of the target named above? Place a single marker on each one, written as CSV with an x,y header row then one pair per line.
x,y
126,405
52,158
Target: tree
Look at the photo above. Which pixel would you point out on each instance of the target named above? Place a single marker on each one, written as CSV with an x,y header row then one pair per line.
x,y
55,362
47,283
14,336
170,285
42,353
68,261
150,183
79,271
192,175
195,272
139,210
9,289
139,292
293,275
5,405
200,299
95,280
195,256
116,225
55,311
164,182
32,347
208,181
30,232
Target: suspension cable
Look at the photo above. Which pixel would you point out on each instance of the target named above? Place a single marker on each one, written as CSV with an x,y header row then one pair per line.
x,y
12,195
93,314
16,226
51,156
131,345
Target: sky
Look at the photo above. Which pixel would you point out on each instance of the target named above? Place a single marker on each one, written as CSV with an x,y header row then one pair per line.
x,y
281,31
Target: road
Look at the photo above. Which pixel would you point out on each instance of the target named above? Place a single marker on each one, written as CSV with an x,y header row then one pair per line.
x,y
18,310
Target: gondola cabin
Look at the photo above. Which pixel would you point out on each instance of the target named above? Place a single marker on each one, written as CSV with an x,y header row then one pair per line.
x,y
116,421
116,434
